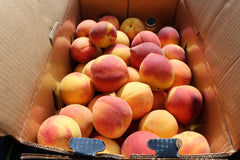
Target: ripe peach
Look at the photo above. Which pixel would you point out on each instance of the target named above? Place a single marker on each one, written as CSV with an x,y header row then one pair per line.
x,y
168,35
183,74
139,97
95,98
82,115
121,51
87,67
84,27
111,146
82,50
192,143
159,99
136,143
111,19
57,130
160,78
145,36
139,52
185,103
174,51
76,88
167,124
111,116
132,26
133,75
103,34
108,73
122,38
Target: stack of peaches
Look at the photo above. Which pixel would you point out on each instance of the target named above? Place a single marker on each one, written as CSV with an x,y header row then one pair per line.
x,y
130,85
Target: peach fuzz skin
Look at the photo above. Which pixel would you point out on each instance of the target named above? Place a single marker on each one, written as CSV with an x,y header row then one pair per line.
x,y
111,146
167,124
84,27
108,73
57,130
82,50
111,116
103,34
139,52
121,51
136,143
159,79
185,103
111,19
168,35
139,97
122,38
145,36
82,115
133,74
174,51
193,143
132,26
76,88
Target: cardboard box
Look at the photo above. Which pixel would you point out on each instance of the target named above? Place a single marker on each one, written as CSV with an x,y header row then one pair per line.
x,y
32,66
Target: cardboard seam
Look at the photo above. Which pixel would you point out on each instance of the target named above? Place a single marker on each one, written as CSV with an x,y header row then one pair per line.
x,y
198,35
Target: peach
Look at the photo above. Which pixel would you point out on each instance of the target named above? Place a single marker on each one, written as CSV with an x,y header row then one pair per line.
x,y
145,36
174,51
192,143
108,73
139,52
111,116
132,26
133,75
111,19
84,27
139,97
183,74
103,34
185,103
87,67
111,146
82,50
82,115
57,130
167,124
95,98
121,51
122,38
136,143
159,99
157,71
76,88
79,67
168,35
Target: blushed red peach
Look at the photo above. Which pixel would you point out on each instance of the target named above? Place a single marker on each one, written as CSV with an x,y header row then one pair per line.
x,y
84,27
193,143
167,125
57,130
103,34
139,97
139,52
82,115
168,35
174,51
112,19
108,73
76,88
145,36
87,67
136,143
82,50
121,51
156,71
185,103
111,116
